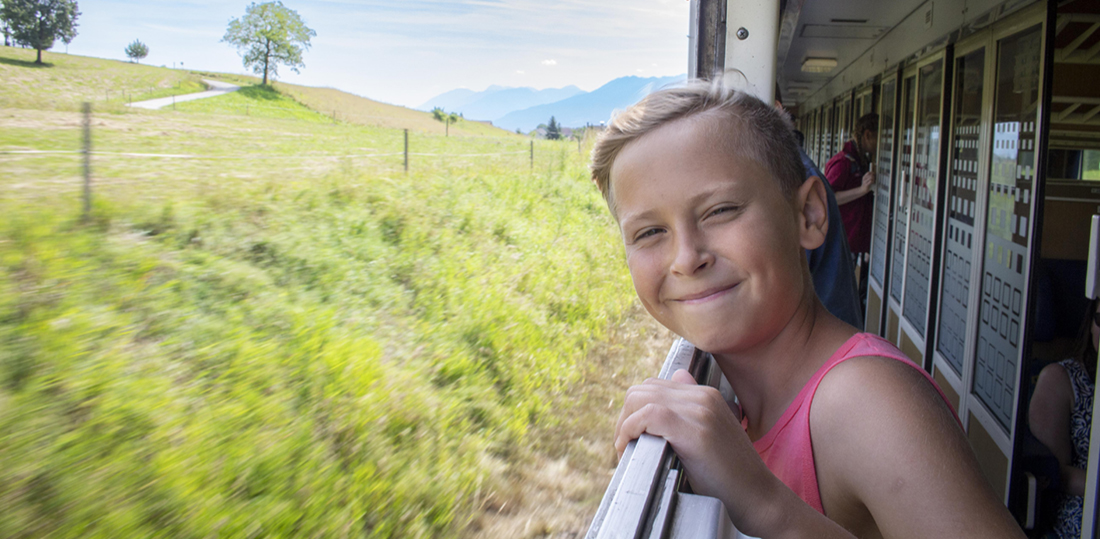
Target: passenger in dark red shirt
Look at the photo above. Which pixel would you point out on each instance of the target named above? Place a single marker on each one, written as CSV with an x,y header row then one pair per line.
x,y
850,174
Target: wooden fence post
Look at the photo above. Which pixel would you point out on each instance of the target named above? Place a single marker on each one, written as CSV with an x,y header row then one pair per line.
x,y
406,151
87,161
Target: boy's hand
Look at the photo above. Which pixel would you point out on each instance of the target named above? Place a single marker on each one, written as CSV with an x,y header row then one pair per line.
x,y
717,455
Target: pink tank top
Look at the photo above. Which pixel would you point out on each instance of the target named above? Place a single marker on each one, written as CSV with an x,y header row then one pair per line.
x,y
787,448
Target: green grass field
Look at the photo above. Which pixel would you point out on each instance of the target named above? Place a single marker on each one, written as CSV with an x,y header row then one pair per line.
x,y
267,328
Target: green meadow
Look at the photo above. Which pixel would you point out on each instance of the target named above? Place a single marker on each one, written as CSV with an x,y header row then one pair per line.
x,y
266,327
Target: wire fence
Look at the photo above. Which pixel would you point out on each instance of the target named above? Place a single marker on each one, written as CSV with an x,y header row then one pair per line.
x,y
112,172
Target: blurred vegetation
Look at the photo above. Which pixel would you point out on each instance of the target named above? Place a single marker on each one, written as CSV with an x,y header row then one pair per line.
x,y
281,336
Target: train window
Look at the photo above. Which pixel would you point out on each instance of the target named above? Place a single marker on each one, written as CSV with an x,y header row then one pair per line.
x,y
1073,164
1090,169
1008,215
962,198
883,172
923,186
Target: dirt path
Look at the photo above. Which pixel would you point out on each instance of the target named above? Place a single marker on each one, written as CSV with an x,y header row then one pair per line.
x,y
555,489
216,89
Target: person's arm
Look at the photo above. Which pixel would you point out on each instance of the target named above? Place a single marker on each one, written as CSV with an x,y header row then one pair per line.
x,y
718,457
865,186
886,445
1049,419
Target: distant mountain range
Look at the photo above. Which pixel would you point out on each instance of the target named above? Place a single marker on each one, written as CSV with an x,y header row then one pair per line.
x,y
526,108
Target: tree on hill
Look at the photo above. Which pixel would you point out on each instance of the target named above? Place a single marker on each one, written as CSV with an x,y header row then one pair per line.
x,y
553,130
447,118
269,34
137,50
39,23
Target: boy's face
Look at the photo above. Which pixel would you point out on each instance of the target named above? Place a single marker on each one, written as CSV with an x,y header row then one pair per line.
x,y
713,245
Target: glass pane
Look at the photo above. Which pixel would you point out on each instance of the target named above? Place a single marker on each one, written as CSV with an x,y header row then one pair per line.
x,y
1007,239
922,222
901,205
817,136
843,121
961,198
882,181
1091,168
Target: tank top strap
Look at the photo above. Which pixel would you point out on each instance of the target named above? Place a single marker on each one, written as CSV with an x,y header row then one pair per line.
x,y
869,344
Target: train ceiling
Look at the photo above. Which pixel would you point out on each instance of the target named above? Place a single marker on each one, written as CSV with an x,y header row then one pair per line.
x,y
866,37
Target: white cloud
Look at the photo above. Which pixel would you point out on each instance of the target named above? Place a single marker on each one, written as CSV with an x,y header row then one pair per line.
x,y
550,62
519,71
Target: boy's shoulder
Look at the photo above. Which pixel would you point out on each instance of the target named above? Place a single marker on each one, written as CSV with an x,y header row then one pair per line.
x,y
871,396
886,442
871,375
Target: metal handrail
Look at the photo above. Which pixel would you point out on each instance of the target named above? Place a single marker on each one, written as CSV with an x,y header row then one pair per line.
x,y
647,497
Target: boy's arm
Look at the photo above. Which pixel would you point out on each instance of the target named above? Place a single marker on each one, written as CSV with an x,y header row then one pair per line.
x,y
886,444
718,457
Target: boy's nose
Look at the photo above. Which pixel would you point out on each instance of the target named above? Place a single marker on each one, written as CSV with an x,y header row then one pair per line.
x,y
691,255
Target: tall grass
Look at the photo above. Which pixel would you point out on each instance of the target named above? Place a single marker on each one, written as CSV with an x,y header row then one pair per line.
x,y
278,346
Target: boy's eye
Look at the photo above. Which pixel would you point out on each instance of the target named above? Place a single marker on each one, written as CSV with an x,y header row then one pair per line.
x,y
723,209
647,233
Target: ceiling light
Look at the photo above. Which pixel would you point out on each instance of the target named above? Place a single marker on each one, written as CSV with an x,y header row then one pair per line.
x,y
818,65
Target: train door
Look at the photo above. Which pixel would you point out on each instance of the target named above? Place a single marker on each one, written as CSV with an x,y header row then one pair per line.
x,y
923,192
967,186
909,188
885,175
1006,250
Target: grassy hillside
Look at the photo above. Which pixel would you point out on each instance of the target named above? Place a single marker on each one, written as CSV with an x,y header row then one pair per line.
x,y
268,329
352,108
67,80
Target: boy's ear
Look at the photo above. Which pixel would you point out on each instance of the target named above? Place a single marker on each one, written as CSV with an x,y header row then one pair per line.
x,y
813,213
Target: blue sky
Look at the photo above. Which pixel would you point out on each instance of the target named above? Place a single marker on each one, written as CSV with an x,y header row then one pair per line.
x,y
406,51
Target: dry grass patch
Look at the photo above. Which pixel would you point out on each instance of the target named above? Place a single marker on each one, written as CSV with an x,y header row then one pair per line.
x,y
554,489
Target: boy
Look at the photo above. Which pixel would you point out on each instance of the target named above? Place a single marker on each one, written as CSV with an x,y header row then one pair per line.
x,y
709,193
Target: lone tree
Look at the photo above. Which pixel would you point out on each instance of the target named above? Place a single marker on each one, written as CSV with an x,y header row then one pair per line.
x,y
269,34
553,130
38,23
137,50
447,118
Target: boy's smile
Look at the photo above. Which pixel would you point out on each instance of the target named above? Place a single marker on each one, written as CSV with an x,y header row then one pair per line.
x,y
711,240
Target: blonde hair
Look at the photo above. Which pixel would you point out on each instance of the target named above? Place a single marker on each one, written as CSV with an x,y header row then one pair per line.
x,y
764,133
